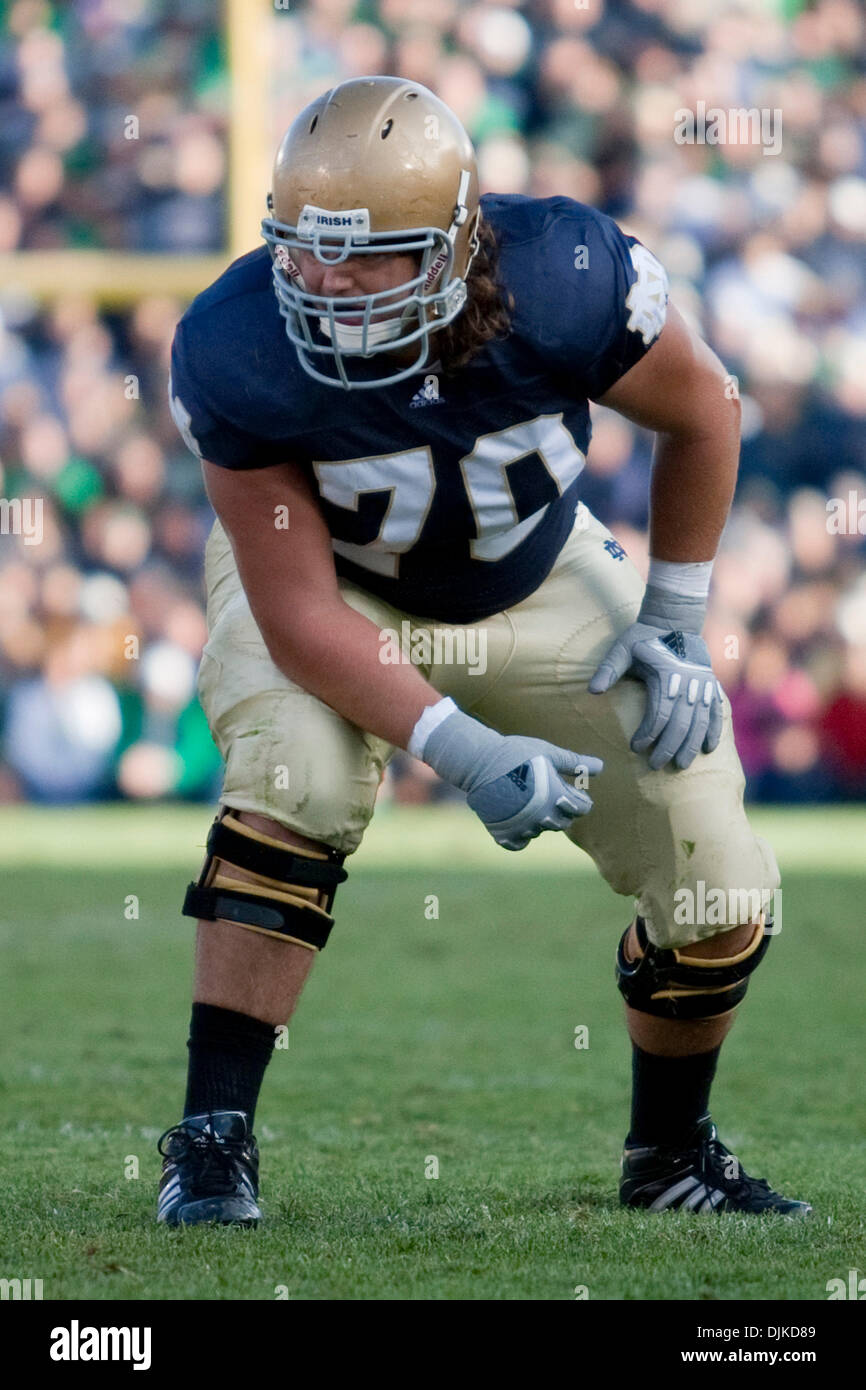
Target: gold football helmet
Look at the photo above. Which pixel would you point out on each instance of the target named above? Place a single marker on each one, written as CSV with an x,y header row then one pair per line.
x,y
376,164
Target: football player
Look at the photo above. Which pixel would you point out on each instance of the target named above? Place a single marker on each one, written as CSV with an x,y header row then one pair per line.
x,y
390,401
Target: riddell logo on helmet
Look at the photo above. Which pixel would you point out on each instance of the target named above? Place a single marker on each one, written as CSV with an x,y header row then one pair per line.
x,y
285,262
435,267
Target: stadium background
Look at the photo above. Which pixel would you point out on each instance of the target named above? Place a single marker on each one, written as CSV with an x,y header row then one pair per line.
x,y
135,145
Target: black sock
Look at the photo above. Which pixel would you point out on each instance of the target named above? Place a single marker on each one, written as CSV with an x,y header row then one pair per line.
x,y
228,1053
669,1095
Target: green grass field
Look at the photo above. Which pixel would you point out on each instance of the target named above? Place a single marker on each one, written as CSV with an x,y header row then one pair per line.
x,y
417,1038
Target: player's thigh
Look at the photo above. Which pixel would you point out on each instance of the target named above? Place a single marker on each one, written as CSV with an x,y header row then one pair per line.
x,y
556,638
678,841
287,755
669,838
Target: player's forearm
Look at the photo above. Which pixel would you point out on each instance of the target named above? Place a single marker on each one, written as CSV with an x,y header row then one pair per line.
x,y
692,486
335,653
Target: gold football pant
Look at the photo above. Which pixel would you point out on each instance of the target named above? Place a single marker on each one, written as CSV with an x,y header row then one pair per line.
x,y
523,671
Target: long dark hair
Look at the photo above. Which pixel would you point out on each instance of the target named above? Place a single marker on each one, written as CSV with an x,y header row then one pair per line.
x,y
487,312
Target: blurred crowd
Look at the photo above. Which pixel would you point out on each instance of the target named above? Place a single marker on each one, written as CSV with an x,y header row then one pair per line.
x,y
113,120
101,623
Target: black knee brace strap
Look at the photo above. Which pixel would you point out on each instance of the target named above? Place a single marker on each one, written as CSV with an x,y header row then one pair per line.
x,y
280,901
672,984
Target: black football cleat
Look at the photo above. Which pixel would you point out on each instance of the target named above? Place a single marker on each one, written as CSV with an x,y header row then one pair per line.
x,y
701,1176
210,1172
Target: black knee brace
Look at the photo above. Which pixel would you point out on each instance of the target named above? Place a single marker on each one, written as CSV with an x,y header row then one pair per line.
x,y
291,896
672,984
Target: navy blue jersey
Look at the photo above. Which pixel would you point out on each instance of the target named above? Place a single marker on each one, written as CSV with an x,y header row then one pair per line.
x,y
448,495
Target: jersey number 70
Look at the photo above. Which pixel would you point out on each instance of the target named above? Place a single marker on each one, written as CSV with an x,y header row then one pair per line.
x,y
406,482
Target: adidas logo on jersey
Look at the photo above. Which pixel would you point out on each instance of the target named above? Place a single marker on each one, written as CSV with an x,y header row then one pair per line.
x,y
428,394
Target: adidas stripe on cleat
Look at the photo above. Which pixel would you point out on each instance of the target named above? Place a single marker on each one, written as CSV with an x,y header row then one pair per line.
x,y
210,1172
702,1176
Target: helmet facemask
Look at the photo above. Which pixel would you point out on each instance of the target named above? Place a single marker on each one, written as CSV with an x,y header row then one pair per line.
x,y
393,319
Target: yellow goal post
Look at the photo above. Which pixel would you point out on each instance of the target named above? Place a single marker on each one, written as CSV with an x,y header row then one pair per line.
x,y
116,278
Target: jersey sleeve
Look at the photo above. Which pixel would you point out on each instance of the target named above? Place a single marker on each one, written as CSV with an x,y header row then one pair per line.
x,y
203,427
601,298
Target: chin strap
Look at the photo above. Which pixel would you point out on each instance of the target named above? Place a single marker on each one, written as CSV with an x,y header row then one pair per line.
x,y
350,336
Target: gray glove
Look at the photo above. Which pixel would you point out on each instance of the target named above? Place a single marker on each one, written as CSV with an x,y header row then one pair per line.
x,y
664,649
512,783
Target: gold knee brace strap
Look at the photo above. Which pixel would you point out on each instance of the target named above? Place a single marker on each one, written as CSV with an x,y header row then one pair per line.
x,y
673,984
291,896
